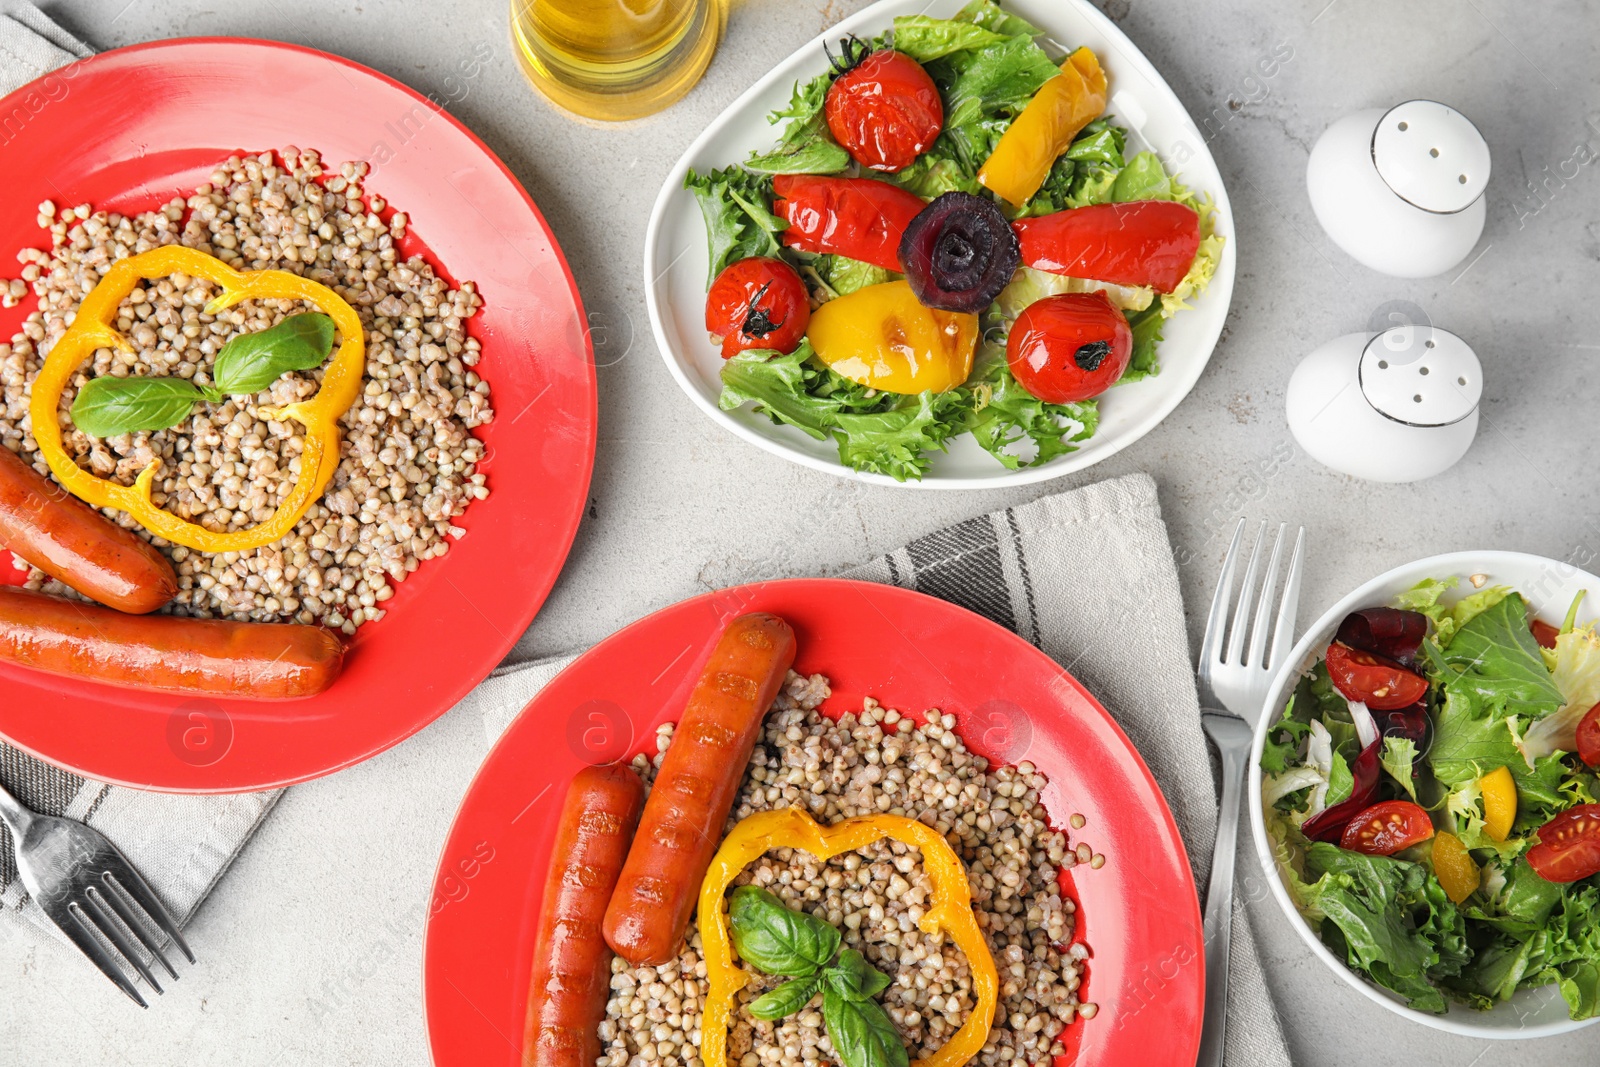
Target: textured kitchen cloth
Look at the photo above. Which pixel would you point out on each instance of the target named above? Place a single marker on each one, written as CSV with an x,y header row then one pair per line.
x,y
1088,576
181,844
31,45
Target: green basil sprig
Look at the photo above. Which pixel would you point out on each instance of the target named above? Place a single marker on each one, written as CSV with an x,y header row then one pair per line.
x,y
773,939
247,364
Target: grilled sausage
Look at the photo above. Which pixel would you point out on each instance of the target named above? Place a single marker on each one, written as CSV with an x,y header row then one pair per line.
x,y
252,660
571,963
76,545
694,790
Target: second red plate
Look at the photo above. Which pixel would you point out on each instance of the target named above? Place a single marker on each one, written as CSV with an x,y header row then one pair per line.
x,y
1139,913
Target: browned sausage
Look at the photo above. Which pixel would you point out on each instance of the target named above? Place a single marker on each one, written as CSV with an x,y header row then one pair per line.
x,y
694,790
76,545
253,660
571,963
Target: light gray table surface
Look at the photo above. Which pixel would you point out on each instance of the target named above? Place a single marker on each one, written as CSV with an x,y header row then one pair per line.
x,y
310,948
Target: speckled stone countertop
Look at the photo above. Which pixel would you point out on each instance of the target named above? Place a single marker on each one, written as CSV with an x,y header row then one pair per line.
x,y
311,946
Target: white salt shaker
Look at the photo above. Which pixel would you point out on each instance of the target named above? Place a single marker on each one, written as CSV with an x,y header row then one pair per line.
x,y
1396,406
1401,190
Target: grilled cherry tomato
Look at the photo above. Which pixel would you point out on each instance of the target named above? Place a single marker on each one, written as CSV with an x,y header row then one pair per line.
x,y
1146,242
1569,845
1386,828
758,302
883,108
1589,737
855,217
1069,347
1380,684
1544,633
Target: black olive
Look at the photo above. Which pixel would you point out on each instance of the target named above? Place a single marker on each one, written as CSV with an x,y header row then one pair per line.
x,y
959,252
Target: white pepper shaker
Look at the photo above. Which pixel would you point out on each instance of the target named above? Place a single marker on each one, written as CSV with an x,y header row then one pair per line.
x,y
1395,406
1401,190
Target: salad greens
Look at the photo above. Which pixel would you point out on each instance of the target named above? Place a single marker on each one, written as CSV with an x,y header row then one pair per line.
x,y
1491,688
987,64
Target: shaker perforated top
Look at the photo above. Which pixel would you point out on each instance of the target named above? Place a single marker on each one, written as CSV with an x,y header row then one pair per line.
x,y
1421,375
1431,155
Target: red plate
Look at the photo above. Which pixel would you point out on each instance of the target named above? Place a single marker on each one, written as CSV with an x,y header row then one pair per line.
x,y
1138,913
129,129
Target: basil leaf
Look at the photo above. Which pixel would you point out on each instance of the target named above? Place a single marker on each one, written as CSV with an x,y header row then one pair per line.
x,y
251,362
853,978
787,999
861,1032
107,407
773,939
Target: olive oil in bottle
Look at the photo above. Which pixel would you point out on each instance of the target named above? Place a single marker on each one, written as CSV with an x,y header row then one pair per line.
x,y
616,59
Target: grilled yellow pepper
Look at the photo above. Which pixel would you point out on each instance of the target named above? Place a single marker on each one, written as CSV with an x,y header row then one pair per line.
x,y
92,329
950,913
1064,105
881,336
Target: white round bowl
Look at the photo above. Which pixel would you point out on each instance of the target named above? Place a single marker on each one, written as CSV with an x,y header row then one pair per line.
x,y
1549,585
675,253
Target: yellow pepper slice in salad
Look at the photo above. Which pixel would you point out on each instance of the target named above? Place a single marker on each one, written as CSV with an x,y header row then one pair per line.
x,y
1065,104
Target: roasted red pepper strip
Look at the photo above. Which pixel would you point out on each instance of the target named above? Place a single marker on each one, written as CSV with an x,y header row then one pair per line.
x,y
855,217
1329,823
1146,242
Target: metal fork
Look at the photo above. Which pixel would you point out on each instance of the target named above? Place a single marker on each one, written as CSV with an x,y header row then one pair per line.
x,y
89,889
1234,680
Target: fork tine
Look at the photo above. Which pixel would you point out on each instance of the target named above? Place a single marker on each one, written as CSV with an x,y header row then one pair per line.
x,y
1211,644
125,913
73,925
120,873
1283,638
1258,631
1247,593
108,926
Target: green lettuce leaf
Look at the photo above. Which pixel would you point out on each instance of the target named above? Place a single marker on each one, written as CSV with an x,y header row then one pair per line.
x,y
1016,427
925,38
739,220
991,16
1494,661
1144,178
1146,327
1398,757
805,146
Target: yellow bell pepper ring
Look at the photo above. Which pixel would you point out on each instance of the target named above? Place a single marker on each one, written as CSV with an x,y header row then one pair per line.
x,y
92,329
881,336
950,913
1063,106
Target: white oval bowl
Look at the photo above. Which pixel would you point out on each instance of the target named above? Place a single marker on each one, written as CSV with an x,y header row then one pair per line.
x,y
1549,586
675,253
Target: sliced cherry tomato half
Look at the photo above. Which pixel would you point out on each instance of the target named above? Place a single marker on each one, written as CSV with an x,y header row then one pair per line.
x,y
1589,737
1544,633
759,302
1569,845
1070,346
1381,684
1386,828
885,110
